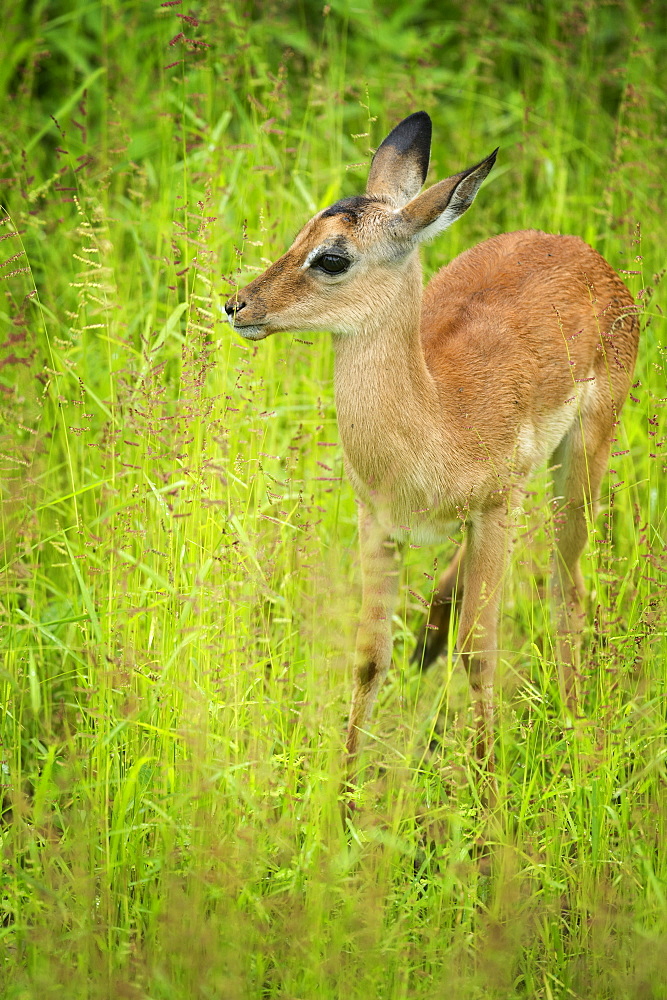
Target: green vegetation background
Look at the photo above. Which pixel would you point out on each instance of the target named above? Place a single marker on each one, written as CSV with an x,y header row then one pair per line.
x,y
178,575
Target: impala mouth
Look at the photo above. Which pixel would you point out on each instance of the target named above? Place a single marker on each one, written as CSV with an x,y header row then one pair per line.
x,y
250,332
253,331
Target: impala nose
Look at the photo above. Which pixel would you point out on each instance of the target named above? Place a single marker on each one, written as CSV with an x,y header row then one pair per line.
x,y
233,307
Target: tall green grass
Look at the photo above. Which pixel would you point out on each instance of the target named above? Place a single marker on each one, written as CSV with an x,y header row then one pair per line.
x,y
179,580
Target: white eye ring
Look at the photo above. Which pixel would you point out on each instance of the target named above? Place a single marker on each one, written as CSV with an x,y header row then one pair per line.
x,y
326,250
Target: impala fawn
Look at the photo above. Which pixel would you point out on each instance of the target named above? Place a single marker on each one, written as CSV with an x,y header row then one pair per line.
x,y
519,351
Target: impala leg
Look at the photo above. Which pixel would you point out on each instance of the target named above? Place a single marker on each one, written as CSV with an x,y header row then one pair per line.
x,y
579,470
380,570
488,544
448,594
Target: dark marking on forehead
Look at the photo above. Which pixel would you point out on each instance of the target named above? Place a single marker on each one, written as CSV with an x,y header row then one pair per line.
x,y
340,243
348,206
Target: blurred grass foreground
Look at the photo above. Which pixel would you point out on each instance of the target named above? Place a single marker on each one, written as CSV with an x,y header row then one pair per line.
x,y
179,576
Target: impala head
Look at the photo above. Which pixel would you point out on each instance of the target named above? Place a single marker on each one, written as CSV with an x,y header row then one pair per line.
x,y
352,261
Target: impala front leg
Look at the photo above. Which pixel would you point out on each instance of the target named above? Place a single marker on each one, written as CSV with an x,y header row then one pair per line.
x,y
488,546
380,569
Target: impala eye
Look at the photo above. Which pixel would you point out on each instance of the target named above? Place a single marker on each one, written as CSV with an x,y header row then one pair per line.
x,y
331,263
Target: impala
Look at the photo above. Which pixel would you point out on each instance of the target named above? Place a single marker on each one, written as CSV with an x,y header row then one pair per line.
x,y
521,350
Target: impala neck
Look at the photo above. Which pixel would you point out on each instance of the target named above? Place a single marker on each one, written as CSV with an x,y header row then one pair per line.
x,y
383,388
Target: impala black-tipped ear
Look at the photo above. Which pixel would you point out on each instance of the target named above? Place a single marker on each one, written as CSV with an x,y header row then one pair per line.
x,y
400,164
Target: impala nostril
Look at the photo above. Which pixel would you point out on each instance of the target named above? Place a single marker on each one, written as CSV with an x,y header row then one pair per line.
x,y
233,307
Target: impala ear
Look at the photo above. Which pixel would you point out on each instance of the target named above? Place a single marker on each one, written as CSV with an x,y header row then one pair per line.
x,y
434,211
400,164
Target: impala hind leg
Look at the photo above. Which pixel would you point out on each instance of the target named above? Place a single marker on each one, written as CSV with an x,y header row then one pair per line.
x,y
580,462
447,597
380,570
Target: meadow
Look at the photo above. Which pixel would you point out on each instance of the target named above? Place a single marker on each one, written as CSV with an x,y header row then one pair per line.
x,y
179,580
